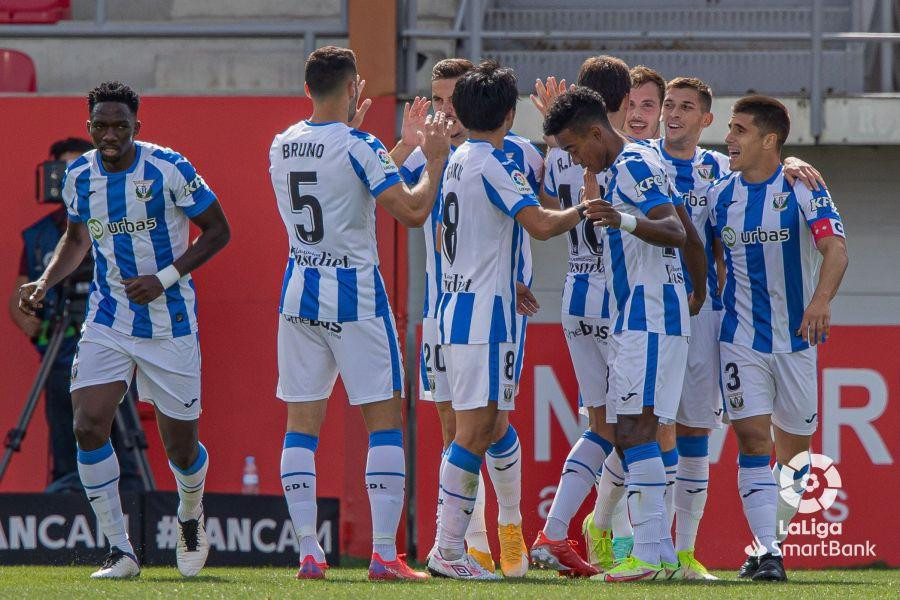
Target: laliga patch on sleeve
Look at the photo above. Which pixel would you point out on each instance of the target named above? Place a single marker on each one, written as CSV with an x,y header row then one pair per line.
x,y
387,163
522,185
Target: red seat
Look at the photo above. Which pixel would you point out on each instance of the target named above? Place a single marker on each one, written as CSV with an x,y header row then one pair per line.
x,y
34,11
16,72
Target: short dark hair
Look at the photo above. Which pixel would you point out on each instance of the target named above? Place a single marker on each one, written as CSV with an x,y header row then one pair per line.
x,y
768,114
72,144
484,96
113,91
327,68
574,109
699,86
641,75
609,77
451,68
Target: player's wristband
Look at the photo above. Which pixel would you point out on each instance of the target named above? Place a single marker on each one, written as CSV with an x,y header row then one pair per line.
x,y
581,208
168,276
629,222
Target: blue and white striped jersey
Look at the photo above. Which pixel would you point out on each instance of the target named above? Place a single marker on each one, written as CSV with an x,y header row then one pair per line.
x,y
528,158
480,244
584,293
646,282
326,177
769,232
139,221
691,178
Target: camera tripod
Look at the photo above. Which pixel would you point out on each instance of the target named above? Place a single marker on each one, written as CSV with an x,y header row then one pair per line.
x,y
126,421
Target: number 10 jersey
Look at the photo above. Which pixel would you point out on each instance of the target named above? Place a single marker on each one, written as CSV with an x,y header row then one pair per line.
x,y
326,177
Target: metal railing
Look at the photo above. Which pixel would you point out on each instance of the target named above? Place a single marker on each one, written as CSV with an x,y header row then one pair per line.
x,y
472,13
101,28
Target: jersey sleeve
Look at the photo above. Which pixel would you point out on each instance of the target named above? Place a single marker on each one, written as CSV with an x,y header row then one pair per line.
x,y
819,210
506,186
70,190
534,164
550,177
643,184
411,171
372,163
187,186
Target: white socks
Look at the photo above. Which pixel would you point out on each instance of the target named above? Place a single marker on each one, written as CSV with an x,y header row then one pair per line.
x,y
666,547
99,472
610,511
386,484
646,489
190,485
459,484
691,483
579,474
759,494
504,466
785,510
298,479
476,533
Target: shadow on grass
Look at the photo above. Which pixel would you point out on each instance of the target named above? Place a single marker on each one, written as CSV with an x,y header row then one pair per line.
x,y
188,580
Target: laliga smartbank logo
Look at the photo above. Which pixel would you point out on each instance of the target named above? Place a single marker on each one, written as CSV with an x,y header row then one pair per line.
x,y
812,484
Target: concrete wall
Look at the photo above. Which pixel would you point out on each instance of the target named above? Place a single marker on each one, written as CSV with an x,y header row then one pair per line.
x,y
863,182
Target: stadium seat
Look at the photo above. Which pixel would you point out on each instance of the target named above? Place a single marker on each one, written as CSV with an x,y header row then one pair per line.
x,y
34,11
16,72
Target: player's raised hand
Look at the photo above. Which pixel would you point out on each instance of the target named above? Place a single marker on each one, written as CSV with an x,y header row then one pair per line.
x,y
602,213
795,169
361,107
413,121
526,303
591,188
816,323
545,93
143,289
435,138
31,296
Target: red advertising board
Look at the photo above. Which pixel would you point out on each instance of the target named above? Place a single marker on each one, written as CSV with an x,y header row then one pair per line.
x,y
858,429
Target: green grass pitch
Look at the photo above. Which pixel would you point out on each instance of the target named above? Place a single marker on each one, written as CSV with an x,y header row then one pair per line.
x,y
162,582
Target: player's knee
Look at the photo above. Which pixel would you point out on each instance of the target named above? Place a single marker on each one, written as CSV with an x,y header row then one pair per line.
x,y
89,431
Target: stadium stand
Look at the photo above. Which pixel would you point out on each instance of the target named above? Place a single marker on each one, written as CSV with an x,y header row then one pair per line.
x,y
16,72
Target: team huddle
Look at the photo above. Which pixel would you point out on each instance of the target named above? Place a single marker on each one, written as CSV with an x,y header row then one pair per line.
x,y
698,286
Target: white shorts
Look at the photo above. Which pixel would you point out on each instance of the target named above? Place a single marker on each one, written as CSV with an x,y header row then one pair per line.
x,y
646,369
311,354
433,384
481,373
588,341
701,397
168,369
782,385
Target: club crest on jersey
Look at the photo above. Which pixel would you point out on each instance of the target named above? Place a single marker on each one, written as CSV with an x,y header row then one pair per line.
x,y
736,400
143,189
705,172
521,182
387,163
508,393
780,201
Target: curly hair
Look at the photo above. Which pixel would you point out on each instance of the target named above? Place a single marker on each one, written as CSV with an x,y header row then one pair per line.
x,y
113,91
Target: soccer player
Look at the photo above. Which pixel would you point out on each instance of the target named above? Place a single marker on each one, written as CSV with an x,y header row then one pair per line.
x,y
503,458
131,202
486,200
645,103
585,322
649,307
775,311
334,311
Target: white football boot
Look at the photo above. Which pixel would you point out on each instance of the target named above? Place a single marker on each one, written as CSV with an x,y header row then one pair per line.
x,y
193,547
117,565
465,568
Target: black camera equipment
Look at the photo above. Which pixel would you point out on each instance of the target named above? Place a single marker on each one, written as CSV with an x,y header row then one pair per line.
x,y
68,310
48,178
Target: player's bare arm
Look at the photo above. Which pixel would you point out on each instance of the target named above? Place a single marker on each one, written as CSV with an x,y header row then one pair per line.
x,y
412,206
695,260
719,256
543,224
661,227
214,235
816,322
69,253
413,123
